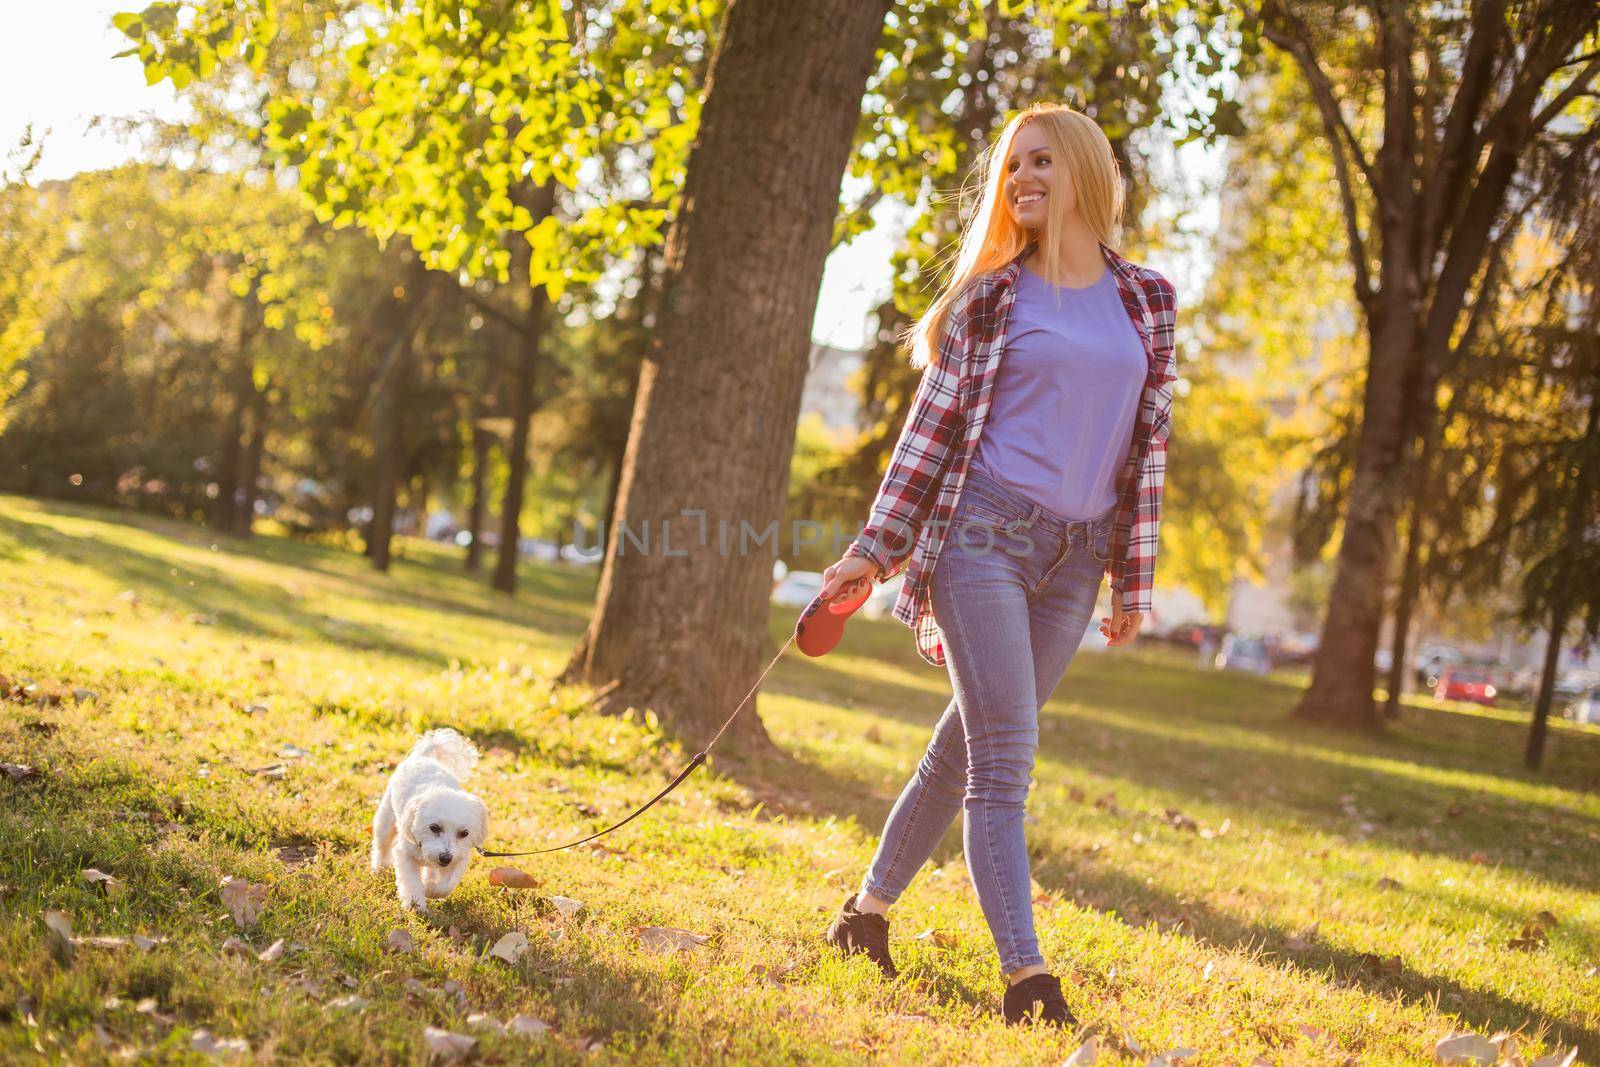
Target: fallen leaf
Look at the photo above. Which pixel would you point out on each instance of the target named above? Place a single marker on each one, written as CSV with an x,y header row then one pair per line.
x,y
1545,918
1557,1059
511,946
1372,961
19,772
513,878
235,946
59,925
83,696
207,1043
1389,883
1180,821
145,944
1478,857
774,974
272,952
445,1045
485,1022
348,1003
102,881
941,938
669,938
1085,1054
1532,937
254,709
526,1026
275,772
399,940
567,906
1466,1048
243,899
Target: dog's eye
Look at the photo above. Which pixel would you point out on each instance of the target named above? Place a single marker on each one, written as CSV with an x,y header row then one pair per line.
x,y
435,829
461,833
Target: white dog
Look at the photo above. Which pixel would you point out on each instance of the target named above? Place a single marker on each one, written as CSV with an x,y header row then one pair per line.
x,y
426,825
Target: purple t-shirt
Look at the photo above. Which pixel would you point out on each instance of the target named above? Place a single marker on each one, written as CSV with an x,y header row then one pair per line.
x,y
1069,383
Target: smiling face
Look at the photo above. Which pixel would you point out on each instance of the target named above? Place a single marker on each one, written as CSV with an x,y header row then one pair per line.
x,y
1034,177
446,825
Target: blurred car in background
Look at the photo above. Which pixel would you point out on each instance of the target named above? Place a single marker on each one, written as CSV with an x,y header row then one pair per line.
x,y
1431,660
1466,683
1586,708
1240,653
798,589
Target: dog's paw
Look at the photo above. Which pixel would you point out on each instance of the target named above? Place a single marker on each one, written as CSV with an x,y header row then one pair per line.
x,y
417,904
380,863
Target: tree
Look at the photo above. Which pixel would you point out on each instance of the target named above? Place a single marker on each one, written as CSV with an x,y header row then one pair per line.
x,y
1427,154
680,625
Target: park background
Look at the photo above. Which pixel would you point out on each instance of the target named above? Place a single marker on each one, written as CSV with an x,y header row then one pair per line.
x,y
323,325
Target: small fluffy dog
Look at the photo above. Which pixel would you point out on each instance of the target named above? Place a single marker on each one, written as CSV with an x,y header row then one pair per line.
x,y
426,825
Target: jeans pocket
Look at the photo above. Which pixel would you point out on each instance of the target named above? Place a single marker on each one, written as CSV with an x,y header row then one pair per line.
x,y
1100,545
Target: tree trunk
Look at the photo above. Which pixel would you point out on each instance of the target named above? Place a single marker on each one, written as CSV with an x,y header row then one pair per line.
x,y
1533,755
390,441
244,517
682,607
529,337
481,441
1343,673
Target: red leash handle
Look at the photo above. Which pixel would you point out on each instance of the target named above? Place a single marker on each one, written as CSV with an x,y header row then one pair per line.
x,y
821,625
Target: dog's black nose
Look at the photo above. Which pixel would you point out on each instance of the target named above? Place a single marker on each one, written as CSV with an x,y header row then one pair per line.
x,y
445,858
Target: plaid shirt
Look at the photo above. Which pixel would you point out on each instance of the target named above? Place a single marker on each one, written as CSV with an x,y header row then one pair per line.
x,y
928,467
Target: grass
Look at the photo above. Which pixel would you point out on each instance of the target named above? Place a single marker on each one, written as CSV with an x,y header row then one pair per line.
x,y
1210,875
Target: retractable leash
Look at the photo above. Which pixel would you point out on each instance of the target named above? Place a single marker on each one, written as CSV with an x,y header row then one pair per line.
x,y
816,633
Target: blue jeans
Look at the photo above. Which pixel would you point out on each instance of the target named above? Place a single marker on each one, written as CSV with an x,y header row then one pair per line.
x,y
1013,590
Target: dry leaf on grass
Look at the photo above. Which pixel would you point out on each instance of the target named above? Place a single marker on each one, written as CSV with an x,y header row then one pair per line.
x,y
18,772
399,940
526,1026
1389,883
59,925
101,941
348,1003
567,906
1085,1054
510,947
1557,1059
1466,1048
272,952
669,938
513,878
235,946
243,899
1532,937
941,938
444,1045
485,1022
208,1044
102,881
146,944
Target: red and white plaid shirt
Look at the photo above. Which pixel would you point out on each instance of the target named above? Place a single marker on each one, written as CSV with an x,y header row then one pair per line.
x,y
928,468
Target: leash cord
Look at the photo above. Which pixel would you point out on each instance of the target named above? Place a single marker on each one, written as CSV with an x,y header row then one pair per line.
x,y
699,758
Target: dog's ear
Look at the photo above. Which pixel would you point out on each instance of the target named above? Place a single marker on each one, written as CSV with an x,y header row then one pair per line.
x,y
480,827
408,819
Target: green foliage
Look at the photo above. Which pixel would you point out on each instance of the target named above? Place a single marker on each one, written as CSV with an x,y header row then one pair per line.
x,y
25,249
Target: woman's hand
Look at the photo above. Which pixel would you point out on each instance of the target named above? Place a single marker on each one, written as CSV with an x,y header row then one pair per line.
x,y
847,571
1120,628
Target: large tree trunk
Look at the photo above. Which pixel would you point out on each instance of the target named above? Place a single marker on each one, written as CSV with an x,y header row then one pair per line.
x,y
542,202
1343,672
481,441
679,624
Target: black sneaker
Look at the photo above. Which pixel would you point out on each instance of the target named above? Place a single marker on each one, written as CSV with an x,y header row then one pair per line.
x,y
1042,991
863,931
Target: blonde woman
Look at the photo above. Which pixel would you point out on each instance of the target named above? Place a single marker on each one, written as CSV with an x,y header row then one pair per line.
x,y
1030,466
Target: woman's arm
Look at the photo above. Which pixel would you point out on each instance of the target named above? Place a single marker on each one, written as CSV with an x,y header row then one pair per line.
x,y
1133,576
927,442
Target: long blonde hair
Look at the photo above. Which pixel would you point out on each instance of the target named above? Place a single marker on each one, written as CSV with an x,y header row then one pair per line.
x,y
992,236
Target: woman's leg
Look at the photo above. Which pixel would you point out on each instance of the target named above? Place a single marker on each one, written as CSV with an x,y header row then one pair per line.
x,y
927,806
983,611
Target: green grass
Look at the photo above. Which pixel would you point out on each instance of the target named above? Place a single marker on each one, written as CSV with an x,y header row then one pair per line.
x,y
1241,942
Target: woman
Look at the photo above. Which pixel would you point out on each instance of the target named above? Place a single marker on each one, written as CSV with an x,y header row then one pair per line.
x,y
1030,465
